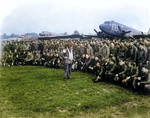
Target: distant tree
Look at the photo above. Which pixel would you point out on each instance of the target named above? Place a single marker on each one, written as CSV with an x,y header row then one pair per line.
x,y
12,35
4,36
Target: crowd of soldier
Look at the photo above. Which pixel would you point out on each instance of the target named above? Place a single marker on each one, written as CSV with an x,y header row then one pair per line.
x,y
119,61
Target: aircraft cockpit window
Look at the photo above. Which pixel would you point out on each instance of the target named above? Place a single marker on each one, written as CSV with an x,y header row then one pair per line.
x,y
107,23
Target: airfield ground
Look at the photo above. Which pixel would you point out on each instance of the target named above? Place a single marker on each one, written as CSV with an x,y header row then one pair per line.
x,y
40,92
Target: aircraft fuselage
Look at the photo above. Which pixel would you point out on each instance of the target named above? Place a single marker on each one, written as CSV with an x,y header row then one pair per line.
x,y
118,30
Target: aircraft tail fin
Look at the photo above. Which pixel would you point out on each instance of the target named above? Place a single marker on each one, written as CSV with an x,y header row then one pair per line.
x,y
148,31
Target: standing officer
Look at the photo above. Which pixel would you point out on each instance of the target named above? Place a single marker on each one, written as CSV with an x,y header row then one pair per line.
x,y
67,54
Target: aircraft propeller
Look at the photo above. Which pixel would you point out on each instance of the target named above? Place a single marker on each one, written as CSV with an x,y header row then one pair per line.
x,y
99,34
123,32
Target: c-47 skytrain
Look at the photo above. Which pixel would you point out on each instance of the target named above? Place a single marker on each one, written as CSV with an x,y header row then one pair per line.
x,y
109,29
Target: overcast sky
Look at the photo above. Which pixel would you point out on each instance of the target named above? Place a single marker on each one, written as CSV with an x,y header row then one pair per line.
x,y
22,16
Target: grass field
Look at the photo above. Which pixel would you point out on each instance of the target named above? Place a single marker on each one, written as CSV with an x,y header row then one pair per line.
x,y
40,92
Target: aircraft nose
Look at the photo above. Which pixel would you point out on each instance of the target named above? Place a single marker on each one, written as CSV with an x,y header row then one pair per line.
x,y
102,26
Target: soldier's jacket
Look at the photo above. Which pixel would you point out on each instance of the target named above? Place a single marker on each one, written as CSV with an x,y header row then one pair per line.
x,y
82,61
148,47
65,55
105,52
9,61
89,50
18,61
122,52
136,73
4,56
99,71
92,63
113,51
114,69
144,76
76,50
108,66
131,70
37,57
83,50
87,61
122,69
132,52
48,58
43,57
142,56
29,57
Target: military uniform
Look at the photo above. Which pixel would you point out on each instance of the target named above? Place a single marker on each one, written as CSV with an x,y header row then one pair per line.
x,y
29,58
36,60
10,60
122,52
122,69
43,59
99,72
111,70
86,64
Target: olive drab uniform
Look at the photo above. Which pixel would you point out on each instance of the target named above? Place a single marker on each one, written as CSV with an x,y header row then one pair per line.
x,y
112,70
29,58
92,65
86,64
43,59
105,52
122,69
122,52
99,73
9,60
82,62
36,60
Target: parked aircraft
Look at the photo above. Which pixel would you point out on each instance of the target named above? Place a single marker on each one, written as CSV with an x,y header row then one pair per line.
x,y
109,29
76,34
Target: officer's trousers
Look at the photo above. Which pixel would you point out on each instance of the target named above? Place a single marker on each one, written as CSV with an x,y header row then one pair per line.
x,y
67,70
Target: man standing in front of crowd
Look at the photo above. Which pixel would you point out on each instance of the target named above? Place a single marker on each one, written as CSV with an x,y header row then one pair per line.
x,y
67,54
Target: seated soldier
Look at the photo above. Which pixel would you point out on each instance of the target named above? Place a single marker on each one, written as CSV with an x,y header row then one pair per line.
x,y
37,58
92,64
74,65
99,72
82,61
122,68
111,70
9,60
86,64
132,71
43,58
57,61
139,81
17,61
48,59
29,58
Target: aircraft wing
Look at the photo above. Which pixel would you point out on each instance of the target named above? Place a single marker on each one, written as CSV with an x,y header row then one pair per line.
x,y
66,36
60,37
141,36
88,36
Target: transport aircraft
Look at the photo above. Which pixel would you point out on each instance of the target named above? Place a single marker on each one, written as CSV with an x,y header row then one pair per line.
x,y
109,29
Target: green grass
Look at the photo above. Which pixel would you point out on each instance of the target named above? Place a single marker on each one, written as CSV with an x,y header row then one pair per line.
x,y
31,91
